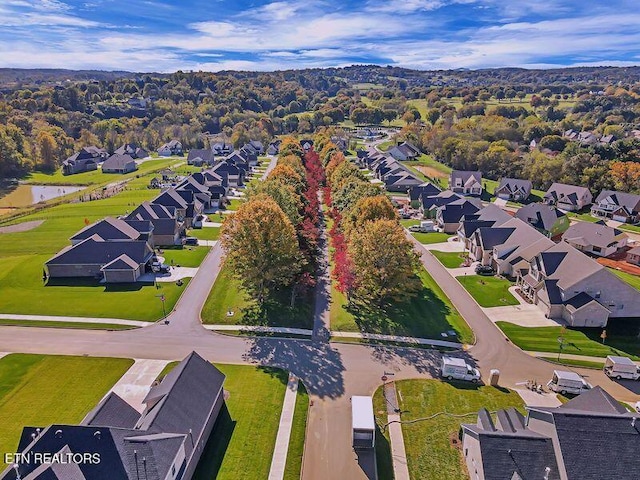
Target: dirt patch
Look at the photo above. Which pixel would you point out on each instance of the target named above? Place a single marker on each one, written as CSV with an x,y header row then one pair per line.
x,y
430,172
619,264
21,227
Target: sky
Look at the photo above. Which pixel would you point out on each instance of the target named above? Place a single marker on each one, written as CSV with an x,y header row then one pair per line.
x,y
214,35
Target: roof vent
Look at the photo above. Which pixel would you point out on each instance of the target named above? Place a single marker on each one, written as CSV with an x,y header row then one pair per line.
x,y
97,435
547,471
633,422
58,434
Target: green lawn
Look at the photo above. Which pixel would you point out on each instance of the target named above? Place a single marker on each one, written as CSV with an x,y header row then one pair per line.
x,y
575,363
633,280
227,295
234,204
186,256
449,259
243,438
428,443
431,237
426,315
206,233
49,324
383,445
621,339
488,291
38,390
298,431
630,228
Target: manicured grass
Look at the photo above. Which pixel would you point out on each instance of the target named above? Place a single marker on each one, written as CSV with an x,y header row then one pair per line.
x,y
38,390
621,339
234,204
574,363
293,466
383,444
186,256
630,228
227,295
426,316
428,443
633,280
449,259
584,216
23,292
205,233
488,291
243,438
49,324
432,237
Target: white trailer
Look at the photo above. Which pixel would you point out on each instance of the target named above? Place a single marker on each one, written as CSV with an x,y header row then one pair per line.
x,y
363,424
568,382
456,368
621,367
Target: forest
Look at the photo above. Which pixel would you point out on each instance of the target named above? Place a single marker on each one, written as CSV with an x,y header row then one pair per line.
x,y
505,122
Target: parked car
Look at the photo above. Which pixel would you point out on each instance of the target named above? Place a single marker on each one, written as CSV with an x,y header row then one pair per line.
x,y
485,270
190,241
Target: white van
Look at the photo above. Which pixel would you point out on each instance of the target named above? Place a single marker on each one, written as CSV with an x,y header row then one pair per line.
x,y
363,424
568,382
456,368
621,367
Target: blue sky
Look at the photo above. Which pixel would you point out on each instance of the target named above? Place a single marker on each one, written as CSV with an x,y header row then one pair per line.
x,y
165,36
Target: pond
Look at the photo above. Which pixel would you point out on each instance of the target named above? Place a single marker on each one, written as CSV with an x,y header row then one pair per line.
x,y
25,195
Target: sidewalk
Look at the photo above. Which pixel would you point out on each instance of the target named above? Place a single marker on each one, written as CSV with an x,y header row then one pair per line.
x,y
398,452
51,318
568,356
259,329
279,458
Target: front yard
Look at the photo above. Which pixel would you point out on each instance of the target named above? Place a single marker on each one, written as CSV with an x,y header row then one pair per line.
x,y
184,256
488,291
450,259
205,233
622,339
431,451
427,315
38,390
633,280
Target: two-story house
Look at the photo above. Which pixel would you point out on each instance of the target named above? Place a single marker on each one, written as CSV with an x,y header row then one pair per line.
x,y
568,197
595,238
513,189
466,182
619,206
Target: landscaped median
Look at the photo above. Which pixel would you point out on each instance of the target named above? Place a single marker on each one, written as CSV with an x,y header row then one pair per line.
x,y
488,291
432,412
621,339
38,390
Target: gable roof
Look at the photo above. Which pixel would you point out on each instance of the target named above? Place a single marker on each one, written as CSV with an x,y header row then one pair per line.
x,y
204,154
151,211
514,185
118,162
112,411
566,193
630,201
426,188
95,251
468,177
540,215
592,234
108,228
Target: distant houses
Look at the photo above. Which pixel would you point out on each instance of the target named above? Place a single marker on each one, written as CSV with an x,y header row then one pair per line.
x,y
164,441
404,151
200,157
395,176
513,189
134,151
568,197
595,238
619,206
118,163
466,182
545,218
172,148
86,160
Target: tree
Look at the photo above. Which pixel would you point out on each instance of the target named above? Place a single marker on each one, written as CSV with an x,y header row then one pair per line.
x,y
88,139
337,158
555,143
368,209
262,248
288,176
626,176
47,147
284,195
291,146
351,191
384,263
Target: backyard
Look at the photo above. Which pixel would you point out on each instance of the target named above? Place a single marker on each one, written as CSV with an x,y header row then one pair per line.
x,y
622,339
38,390
427,315
431,451
227,295
488,291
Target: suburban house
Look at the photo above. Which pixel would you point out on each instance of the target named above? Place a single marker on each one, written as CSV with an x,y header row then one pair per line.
x,y
306,144
568,285
274,147
448,216
234,174
249,155
342,142
132,150
85,160
174,147
187,207
200,195
429,203
255,146
591,436
595,238
428,189
200,157
112,229
633,256
568,197
508,248
619,206
167,229
94,257
466,182
117,163
163,442
221,148
404,151
545,218
401,182
488,216
513,189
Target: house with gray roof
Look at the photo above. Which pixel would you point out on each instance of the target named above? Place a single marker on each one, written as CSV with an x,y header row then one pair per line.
x,y
591,437
466,182
595,238
221,148
133,150
111,229
425,188
96,258
619,206
167,228
86,160
200,157
561,272
164,441
448,216
513,189
488,216
118,163
633,256
430,203
404,151
568,197
547,219
172,148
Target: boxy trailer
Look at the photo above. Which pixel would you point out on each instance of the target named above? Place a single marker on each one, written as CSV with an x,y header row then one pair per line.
x,y
453,368
568,382
363,425
621,368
